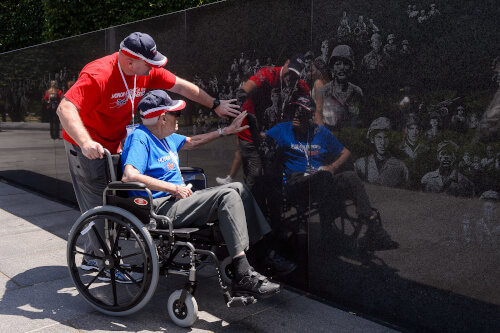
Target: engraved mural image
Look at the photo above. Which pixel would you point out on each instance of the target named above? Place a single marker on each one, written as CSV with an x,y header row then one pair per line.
x,y
339,101
381,167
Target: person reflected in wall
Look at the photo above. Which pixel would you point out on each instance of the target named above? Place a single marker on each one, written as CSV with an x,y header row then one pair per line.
x,y
339,101
258,88
52,99
381,167
95,113
312,162
447,178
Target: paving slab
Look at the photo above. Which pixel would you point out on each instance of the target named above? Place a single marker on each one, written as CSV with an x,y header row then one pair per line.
x,y
41,305
29,243
35,269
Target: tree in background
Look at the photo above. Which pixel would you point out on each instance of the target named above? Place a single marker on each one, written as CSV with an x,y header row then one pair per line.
x,y
31,22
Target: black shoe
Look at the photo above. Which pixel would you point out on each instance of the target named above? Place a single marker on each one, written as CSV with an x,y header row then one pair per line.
x,y
276,265
256,285
377,240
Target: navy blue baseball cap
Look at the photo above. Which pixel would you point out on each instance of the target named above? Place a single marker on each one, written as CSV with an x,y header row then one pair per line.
x,y
141,46
306,103
157,102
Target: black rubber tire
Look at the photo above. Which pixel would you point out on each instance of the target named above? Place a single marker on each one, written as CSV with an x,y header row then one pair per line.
x,y
110,297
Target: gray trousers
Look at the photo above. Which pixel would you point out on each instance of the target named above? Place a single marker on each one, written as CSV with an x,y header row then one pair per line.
x,y
240,219
89,180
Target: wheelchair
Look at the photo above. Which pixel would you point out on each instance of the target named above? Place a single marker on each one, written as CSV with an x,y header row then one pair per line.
x,y
132,242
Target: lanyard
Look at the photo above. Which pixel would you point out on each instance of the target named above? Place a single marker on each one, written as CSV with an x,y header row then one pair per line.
x,y
167,148
132,99
304,150
285,98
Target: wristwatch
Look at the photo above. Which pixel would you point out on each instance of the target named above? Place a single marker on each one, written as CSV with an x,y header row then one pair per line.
x,y
216,104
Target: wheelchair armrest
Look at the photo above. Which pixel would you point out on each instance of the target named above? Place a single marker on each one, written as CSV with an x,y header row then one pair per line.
x,y
118,185
191,170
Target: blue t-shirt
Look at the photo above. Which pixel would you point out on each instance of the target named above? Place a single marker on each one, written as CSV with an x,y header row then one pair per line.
x,y
308,154
153,157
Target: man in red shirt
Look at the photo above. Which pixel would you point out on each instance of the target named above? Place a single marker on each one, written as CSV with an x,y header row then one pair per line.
x,y
97,109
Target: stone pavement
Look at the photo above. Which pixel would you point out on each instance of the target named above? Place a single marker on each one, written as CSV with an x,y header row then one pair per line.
x,y
38,295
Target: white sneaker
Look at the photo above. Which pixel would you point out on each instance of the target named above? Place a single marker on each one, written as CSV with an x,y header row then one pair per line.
x,y
224,181
89,264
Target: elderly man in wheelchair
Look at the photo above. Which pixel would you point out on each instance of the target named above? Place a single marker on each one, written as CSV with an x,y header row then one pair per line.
x,y
135,250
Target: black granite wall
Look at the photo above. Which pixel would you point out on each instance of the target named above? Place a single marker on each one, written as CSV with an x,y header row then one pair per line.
x,y
424,74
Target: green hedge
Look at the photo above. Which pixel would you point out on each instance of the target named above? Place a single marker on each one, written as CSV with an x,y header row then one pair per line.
x,y
31,22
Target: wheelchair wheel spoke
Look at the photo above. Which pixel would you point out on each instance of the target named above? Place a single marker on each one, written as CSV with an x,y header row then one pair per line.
x,y
93,279
130,255
115,243
113,286
105,248
124,272
90,255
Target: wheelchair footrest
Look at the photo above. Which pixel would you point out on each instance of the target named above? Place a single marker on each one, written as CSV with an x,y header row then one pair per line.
x,y
241,301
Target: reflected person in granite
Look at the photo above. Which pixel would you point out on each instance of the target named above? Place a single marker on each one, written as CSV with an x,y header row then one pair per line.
x,y
52,99
312,165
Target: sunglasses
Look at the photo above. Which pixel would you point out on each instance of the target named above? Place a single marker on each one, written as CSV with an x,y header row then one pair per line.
x,y
174,113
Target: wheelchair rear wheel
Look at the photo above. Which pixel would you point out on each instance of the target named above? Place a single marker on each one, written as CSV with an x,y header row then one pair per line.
x,y
128,274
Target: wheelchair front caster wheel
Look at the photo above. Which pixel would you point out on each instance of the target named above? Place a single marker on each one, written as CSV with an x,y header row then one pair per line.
x,y
227,270
185,315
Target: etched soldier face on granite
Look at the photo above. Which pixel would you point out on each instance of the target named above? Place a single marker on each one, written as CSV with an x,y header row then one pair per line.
x,y
381,142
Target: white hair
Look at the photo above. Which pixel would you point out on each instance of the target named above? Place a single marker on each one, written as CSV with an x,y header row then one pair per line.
x,y
150,121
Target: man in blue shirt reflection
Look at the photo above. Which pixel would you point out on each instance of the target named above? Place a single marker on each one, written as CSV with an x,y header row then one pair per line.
x,y
312,159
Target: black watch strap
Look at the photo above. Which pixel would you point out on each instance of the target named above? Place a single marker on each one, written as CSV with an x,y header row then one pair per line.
x,y
216,104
